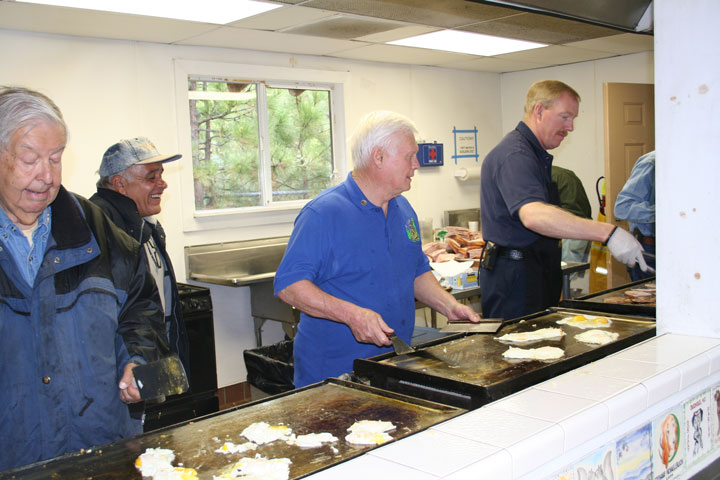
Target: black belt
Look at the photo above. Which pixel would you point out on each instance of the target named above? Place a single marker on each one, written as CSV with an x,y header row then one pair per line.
x,y
511,253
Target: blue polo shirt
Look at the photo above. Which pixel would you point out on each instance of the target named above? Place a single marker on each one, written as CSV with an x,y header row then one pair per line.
x,y
516,172
346,246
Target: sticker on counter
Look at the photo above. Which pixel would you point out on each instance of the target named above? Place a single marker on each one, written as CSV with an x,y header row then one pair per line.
x,y
697,427
668,443
600,464
634,454
715,416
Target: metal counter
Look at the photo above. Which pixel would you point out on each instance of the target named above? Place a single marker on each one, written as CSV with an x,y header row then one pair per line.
x,y
250,263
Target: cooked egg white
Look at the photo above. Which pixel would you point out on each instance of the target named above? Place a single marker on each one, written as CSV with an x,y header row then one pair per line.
x,y
367,438
532,336
177,473
599,337
155,460
586,321
374,426
312,440
259,468
262,432
369,432
542,353
230,447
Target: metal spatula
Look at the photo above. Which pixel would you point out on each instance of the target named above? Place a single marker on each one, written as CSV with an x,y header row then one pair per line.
x,y
162,377
485,325
401,348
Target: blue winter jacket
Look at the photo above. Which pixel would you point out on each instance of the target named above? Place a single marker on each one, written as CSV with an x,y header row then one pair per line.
x,y
64,342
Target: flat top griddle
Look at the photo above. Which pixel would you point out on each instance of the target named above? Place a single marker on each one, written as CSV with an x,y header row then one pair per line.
x,y
331,406
596,301
473,372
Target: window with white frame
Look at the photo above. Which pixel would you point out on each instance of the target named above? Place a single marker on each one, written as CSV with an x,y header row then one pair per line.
x,y
260,143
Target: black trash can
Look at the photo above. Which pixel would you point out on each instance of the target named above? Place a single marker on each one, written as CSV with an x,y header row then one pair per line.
x,y
270,368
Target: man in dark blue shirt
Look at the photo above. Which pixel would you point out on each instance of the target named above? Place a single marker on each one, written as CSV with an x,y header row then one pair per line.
x,y
521,218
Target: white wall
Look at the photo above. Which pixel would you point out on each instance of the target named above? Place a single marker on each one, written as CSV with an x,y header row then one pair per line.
x,y
687,107
583,150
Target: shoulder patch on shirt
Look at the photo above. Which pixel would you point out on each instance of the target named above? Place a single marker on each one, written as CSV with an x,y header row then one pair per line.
x,y
411,230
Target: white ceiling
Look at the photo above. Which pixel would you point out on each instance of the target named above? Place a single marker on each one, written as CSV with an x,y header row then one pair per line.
x,y
353,29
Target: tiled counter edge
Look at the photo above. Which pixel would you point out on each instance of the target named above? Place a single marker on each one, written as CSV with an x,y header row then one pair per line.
x,y
541,431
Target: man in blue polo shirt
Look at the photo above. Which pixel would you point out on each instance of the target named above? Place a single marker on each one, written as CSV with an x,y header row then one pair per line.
x,y
521,218
354,264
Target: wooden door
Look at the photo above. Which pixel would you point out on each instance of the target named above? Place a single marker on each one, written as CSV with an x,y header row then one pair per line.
x,y
629,110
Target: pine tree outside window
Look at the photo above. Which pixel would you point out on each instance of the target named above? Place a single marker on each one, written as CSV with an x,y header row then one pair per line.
x,y
258,144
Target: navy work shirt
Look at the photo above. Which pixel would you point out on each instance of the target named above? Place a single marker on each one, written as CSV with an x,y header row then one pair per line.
x,y
516,172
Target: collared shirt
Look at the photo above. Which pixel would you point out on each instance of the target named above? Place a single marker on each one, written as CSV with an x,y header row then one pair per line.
x,y
158,268
516,172
28,258
636,201
349,249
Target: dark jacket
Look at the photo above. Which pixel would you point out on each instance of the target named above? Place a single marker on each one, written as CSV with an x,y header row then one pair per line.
x,y
572,193
122,210
65,341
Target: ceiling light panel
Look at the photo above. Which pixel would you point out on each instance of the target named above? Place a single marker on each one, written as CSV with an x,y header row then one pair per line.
x,y
209,11
466,42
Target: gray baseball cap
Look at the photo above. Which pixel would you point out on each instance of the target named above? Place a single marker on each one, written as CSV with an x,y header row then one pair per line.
x,y
129,152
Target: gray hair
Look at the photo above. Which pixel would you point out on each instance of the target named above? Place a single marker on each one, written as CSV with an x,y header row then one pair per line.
x,y
106,181
21,107
376,130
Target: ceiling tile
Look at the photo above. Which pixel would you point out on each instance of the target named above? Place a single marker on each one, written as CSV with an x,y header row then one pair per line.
x,y
493,64
284,17
398,33
556,55
398,54
344,27
624,13
230,37
623,44
540,28
445,13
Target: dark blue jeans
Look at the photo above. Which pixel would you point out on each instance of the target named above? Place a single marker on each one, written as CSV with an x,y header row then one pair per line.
x,y
502,289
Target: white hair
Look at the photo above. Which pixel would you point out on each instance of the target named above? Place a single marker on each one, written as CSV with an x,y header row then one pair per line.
x,y
21,107
376,130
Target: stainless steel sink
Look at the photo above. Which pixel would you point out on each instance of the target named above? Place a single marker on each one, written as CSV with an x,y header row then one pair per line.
x,y
236,263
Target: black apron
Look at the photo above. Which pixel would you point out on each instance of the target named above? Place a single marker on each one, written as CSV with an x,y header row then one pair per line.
x,y
543,273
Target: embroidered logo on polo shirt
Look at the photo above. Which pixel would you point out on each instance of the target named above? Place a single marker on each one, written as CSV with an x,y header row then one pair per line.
x,y
411,230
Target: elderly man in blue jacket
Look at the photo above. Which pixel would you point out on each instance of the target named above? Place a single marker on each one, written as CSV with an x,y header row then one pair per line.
x,y
78,310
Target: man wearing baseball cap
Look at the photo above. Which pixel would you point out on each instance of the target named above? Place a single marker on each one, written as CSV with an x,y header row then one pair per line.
x,y
129,192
